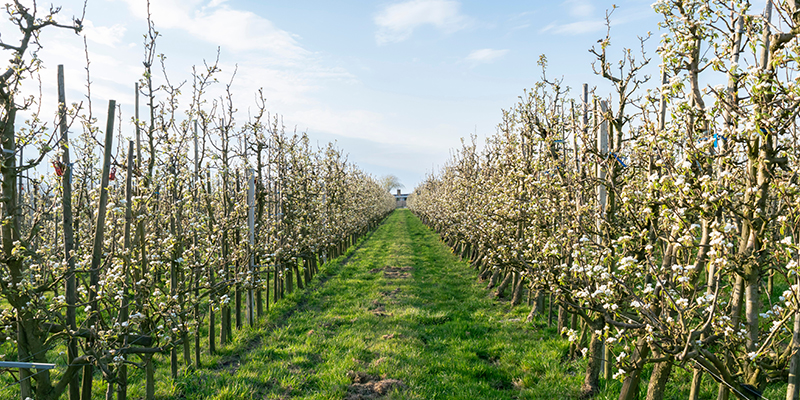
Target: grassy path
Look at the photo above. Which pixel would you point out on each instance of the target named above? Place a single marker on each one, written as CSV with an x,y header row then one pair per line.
x,y
402,307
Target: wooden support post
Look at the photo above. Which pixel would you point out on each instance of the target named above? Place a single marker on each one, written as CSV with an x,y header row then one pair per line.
x,y
122,375
212,345
195,268
174,279
602,164
602,195
149,368
97,249
67,219
251,246
237,265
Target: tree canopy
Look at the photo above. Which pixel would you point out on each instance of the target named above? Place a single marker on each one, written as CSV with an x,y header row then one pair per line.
x,y
389,182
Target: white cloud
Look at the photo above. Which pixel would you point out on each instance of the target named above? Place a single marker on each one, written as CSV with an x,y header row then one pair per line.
x,y
579,8
397,22
575,28
243,31
582,13
214,3
107,35
232,29
286,89
486,55
355,123
374,127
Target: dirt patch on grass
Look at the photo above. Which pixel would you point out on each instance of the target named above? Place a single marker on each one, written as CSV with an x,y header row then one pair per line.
x,y
230,364
489,358
397,272
378,361
335,322
393,336
366,387
376,305
394,272
378,308
391,293
286,395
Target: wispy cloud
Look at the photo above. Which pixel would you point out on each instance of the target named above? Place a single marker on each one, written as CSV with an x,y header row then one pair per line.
x,y
579,8
486,55
575,28
107,35
214,3
584,19
397,22
219,24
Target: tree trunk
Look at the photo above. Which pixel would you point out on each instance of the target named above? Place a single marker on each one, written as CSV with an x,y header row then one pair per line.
x,y
289,282
736,313
539,302
259,296
504,284
516,298
694,388
793,390
493,280
299,276
307,269
275,280
606,361
630,386
238,298
225,317
563,319
531,314
591,382
658,379
150,378
26,387
110,391
485,271
575,347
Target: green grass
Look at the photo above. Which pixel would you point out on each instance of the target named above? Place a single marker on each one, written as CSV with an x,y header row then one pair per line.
x,y
451,341
449,338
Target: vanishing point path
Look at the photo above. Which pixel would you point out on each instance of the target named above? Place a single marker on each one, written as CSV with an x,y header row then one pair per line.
x,y
400,318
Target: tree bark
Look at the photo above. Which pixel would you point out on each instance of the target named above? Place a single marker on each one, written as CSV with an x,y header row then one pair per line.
x,y
563,318
504,284
658,379
793,390
493,280
516,298
630,386
591,381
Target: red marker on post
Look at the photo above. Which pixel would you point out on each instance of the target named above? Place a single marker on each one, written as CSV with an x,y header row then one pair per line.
x,y
59,167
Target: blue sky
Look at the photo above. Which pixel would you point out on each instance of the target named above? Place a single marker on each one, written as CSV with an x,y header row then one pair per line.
x,y
395,83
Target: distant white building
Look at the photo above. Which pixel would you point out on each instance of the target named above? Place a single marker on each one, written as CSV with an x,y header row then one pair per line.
x,y
400,199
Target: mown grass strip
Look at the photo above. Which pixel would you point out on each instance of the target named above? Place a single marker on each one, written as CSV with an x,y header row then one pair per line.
x,y
402,307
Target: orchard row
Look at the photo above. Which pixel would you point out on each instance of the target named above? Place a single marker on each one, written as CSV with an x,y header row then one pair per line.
x,y
120,250
662,220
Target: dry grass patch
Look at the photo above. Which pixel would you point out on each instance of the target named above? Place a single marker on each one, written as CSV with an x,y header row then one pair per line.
x,y
365,386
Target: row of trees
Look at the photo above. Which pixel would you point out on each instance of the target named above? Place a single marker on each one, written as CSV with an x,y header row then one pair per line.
x,y
128,249
663,221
